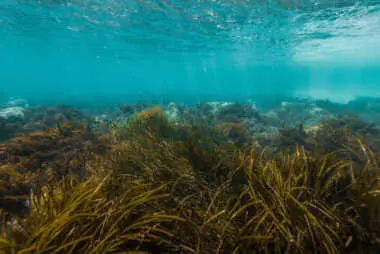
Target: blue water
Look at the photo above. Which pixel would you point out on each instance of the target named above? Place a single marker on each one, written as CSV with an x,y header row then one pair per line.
x,y
67,50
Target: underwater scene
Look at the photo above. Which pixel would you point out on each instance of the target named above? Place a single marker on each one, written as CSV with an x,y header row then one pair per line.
x,y
197,126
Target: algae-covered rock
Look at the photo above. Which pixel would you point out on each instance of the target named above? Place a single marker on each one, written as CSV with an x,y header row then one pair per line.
x,y
172,113
209,110
290,114
216,106
237,113
28,161
127,109
11,122
17,102
13,112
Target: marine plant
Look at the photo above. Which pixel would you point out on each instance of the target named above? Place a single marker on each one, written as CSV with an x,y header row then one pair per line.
x,y
31,160
236,132
236,113
340,135
99,215
289,138
10,128
303,203
167,188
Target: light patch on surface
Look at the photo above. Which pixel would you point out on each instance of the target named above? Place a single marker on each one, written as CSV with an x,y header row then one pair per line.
x,y
349,40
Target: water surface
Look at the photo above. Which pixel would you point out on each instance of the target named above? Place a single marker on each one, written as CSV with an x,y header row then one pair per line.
x,y
92,49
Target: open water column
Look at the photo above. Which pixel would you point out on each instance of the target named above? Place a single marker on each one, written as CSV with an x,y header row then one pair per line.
x,y
189,126
61,49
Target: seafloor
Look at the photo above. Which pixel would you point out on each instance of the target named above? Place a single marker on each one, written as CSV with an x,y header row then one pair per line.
x,y
273,176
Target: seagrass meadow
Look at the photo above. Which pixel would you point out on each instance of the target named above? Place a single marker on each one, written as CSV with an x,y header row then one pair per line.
x,y
149,185
189,126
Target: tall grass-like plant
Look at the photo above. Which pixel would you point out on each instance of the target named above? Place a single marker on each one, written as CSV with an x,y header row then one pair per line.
x,y
300,203
87,217
164,188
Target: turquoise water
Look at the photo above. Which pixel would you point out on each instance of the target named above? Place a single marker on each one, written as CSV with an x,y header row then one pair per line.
x,y
67,50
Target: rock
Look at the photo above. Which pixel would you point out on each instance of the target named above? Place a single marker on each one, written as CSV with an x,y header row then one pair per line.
x,y
293,106
127,109
314,116
316,110
236,112
12,112
17,103
271,114
172,113
216,106
101,118
313,129
291,114
253,104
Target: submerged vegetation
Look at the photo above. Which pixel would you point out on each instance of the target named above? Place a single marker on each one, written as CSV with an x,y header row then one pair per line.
x,y
156,186
40,157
